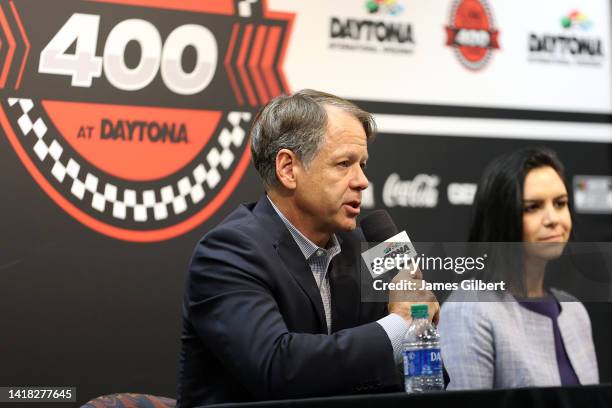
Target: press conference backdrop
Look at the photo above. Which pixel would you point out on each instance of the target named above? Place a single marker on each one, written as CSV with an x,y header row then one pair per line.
x,y
124,140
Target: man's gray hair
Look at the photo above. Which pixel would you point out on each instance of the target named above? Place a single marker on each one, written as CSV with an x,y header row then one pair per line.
x,y
297,122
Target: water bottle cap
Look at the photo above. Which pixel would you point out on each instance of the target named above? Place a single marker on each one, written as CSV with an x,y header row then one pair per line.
x,y
418,311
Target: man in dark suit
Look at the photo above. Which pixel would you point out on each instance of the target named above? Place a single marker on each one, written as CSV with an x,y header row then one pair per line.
x,y
273,304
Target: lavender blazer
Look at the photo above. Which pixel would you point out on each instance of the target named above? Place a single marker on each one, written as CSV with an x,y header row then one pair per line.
x,y
504,345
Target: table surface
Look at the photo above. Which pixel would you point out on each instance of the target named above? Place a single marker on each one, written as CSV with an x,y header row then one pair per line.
x,y
579,396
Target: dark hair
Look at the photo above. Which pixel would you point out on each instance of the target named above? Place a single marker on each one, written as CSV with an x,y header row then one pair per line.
x,y
297,122
498,205
498,213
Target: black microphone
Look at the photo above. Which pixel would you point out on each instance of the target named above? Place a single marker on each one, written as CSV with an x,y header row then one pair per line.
x,y
378,226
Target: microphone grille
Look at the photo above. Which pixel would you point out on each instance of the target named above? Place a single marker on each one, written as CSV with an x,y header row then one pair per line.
x,y
378,226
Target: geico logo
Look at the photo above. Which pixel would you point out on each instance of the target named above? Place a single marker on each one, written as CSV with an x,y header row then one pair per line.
x,y
420,192
83,65
461,193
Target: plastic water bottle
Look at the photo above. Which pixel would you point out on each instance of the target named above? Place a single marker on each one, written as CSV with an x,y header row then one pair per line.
x,y
422,358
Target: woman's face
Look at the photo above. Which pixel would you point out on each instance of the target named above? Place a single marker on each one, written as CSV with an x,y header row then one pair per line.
x,y
546,218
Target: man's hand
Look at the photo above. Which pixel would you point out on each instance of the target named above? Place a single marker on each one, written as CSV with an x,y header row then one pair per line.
x,y
401,300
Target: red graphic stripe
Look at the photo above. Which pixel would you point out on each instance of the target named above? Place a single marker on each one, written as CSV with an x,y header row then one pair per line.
x,y
289,17
228,65
494,35
122,233
199,6
11,50
254,64
26,42
246,41
267,61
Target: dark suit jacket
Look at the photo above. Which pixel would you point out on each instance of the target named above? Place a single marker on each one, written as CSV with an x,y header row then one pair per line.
x,y
254,324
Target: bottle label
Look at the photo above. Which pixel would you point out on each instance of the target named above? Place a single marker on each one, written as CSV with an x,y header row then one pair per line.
x,y
422,362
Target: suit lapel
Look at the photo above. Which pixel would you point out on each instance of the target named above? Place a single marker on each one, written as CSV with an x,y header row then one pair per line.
x,y
296,265
291,256
344,290
575,346
345,310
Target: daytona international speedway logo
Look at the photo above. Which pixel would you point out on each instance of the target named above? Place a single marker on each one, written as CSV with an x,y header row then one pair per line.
x,y
132,115
471,33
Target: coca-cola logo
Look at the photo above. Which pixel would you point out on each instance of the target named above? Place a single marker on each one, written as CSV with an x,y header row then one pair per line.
x,y
422,191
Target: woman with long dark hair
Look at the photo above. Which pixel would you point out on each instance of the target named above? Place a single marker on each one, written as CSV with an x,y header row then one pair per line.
x,y
528,335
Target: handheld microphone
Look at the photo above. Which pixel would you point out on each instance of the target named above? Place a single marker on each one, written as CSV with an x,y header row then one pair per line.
x,y
378,226
394,246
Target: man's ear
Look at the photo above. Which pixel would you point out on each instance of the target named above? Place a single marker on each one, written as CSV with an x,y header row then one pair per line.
x,y
286,168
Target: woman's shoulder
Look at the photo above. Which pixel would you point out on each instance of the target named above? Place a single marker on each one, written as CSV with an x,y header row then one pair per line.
x,y
563,296
483,308
477,302
570,304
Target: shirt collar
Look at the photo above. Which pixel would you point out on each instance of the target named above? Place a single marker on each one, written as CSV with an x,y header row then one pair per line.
x,y
307,247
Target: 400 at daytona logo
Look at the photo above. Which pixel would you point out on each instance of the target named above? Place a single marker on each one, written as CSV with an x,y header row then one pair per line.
x,y
132,115
471,33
